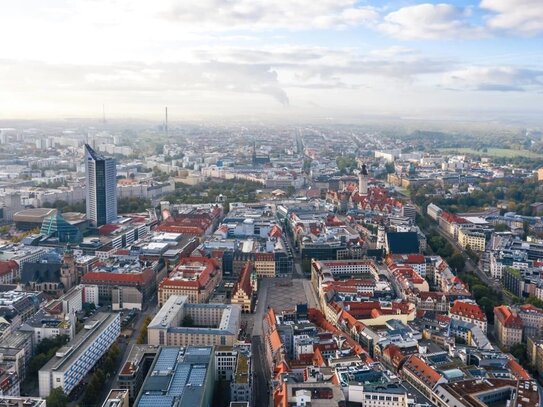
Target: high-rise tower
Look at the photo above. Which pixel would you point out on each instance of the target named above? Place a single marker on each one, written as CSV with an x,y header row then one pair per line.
x,y
166,120
101,174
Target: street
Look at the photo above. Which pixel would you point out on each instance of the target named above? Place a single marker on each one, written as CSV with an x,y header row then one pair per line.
x,y
261,388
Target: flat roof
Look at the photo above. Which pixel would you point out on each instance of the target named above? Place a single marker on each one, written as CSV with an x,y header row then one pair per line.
x,y
72,350
178,377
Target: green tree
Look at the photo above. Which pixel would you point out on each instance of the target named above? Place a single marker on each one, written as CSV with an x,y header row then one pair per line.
x,y
534,301
57,398
518,350
187,321
457,262
36,363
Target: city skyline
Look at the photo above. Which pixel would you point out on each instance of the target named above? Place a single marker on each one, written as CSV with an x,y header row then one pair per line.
x,y
471,59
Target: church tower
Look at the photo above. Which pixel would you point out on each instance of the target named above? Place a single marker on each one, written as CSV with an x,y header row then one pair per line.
x,y
363,181
68,275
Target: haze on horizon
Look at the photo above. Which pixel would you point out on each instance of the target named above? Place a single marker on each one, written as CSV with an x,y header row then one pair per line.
x,y
282,58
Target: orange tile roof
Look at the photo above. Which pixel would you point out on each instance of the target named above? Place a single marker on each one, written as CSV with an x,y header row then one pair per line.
x,y
318,359
422,371
517,370
275,341
468,310
244,281
507,318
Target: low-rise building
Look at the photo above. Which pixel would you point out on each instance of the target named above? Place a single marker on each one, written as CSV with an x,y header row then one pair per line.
x,y
194,277
135,369
210,324
379,395
73,361
469,311
116,398
508,326
182,377
423,377
242,294
25,401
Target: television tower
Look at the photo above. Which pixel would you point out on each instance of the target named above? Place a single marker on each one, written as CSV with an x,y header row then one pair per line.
x,y
103,113
166,121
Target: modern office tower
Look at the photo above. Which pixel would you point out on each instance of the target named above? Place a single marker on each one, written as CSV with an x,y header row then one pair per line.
x,y
101,173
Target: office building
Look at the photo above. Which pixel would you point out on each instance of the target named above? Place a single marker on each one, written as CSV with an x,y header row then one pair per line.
x,y
101,177
180,377
135,369
508,326
74,361
116,398
194,277
210,324
22,401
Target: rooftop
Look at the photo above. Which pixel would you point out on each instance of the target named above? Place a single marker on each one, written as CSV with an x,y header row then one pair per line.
x,y
178,377
93,328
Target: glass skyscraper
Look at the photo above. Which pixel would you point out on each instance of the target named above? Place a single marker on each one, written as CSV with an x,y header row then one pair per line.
x,y
101,174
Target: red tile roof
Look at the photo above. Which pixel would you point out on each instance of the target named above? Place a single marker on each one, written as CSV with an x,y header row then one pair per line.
x,y
422,371
504,315
8,266
517,370
275,231
468,310
107,229
205,267
244,281
104,277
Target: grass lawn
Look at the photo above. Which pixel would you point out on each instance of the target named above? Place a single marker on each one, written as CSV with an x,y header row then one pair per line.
x,y
495,152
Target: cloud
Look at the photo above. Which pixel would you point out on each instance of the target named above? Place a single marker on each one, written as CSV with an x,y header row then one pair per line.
x,y
499,79
429,21
155,78
524,17
272,15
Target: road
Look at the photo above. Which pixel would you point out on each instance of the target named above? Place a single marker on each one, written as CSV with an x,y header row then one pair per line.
x,y
470,266
261,387
151,310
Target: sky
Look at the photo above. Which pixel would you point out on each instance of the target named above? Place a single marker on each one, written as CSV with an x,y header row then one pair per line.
x,y
277,58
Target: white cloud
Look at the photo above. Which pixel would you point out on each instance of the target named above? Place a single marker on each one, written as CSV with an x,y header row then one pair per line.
x,y
500,78
152,79
429,21
264,14
524,17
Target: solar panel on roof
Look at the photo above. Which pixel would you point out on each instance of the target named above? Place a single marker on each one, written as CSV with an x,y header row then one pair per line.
x,y
197,375
148,400
167,359
179,380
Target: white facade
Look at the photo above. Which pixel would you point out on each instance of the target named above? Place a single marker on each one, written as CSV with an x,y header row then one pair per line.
x,y
72,362
371,397
90,294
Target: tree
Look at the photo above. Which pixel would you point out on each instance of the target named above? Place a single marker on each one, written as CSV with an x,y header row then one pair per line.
x,y
57,398
518,350
457,262
36,363
142,338
534,301
501,227
187,321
